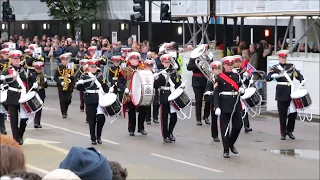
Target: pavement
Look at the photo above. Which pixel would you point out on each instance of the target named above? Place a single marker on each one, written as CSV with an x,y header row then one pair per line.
x,y
262,155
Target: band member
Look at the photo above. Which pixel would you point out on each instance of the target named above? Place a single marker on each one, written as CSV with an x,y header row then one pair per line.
x,y
283,92
199,82
244,75
37,79
4,62
113,74
91,99
149,66
64,76
78,74
210,90
16,77
29,59
167,84
124,57
227,103
124,82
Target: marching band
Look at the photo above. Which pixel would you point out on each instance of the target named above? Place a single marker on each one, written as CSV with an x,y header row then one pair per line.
x,y
135,86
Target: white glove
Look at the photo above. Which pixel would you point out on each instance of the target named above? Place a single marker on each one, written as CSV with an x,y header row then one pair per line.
x,y
126,91
241,90
234,71
156,76
251,81
45,79
35,85
175,66
2,78
62,83
80,81
303,82
111,90
218,112
208,93
183,85
275,75
246,75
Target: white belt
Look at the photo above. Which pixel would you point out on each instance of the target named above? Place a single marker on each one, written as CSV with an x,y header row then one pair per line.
x,y
284,83
228,93
92,91
15,89
115,78
165,88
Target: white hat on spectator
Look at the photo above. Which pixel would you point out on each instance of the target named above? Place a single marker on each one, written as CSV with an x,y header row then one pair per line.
x,y
32,46
61,174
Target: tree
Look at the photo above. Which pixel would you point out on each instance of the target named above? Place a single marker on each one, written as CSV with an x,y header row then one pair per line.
x,y
75,12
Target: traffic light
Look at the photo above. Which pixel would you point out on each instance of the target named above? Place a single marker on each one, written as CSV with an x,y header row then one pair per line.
x,y
140,8
164,12
7,11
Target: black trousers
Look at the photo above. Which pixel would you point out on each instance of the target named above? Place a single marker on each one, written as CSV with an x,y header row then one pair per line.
x,y
245,119
167,127
283,116
96,122
37,117
65,100
17,131
214,123
206,110
81,100
198,92
236,124
148,113
2,124
156,106
132,109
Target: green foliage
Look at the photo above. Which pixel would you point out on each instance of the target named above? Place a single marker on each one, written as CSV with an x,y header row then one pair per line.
x,y
75,11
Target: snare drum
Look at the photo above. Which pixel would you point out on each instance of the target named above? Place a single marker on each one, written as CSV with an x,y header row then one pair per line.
x,y
251,97
110,104
301,99
141,88
179,99
31,102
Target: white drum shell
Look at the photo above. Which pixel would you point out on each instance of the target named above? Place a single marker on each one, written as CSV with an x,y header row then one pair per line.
x,y
142,87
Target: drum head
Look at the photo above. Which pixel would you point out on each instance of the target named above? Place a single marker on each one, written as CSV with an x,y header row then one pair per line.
x,y
27,97
298,94
135,88
3,96
107,99
248,92
175,94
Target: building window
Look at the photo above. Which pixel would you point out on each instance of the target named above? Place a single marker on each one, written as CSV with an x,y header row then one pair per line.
x,y
46,26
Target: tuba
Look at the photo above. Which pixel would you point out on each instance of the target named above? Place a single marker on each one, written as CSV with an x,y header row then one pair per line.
x,y
66,80
202,63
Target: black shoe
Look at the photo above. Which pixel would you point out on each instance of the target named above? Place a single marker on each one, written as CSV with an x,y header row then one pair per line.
x,y
283,137
93,142
167,140
142,132
20,141
199,123
99,141
226,155
64,116
172,138
4,132
131,133
216,139
156,121
291,136
246,130
149,122
233,150
37,126
206,120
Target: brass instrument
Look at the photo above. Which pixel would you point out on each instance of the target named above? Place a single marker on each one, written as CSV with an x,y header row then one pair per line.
x,y
202,63
66,80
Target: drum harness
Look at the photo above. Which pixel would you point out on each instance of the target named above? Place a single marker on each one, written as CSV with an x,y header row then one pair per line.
x,y
302,115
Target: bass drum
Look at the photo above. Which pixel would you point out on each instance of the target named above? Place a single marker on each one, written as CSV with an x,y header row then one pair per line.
x,y
141,88
301,99
251,97
31,102
110,104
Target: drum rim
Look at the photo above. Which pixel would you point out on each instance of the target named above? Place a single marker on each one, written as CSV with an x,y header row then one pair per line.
x,y
113,95
25,100
246,97
176,90
294,95
131,97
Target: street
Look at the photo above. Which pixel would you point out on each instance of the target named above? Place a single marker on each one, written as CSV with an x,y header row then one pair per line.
x,y
262,155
